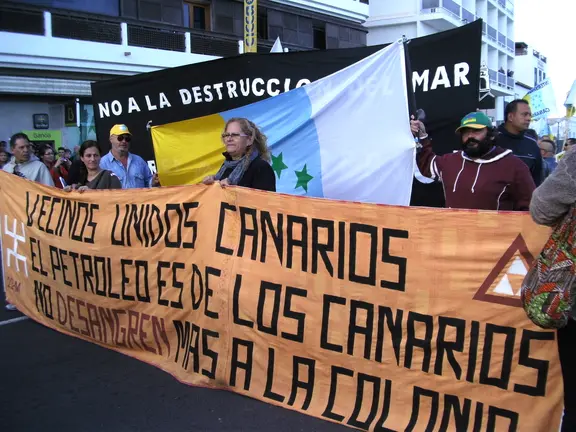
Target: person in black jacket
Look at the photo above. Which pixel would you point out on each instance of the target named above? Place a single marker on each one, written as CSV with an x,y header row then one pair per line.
x,y
247,158
75,171
512,136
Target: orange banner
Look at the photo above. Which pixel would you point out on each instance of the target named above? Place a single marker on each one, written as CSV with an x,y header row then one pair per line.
x,y
376,317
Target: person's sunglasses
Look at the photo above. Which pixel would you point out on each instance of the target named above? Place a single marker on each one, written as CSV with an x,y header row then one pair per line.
x,y
126,138
233,135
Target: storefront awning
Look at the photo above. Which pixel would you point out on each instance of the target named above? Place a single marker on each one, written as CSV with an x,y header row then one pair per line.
x,y
44,86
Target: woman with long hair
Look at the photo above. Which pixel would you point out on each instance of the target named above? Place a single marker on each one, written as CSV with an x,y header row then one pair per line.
x,y
4,157
247,158
58,168
91,175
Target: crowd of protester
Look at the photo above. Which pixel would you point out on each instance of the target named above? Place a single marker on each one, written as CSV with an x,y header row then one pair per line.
x,y
508,168
247,162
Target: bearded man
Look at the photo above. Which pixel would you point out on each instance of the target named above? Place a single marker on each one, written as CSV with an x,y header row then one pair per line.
x,y
482,175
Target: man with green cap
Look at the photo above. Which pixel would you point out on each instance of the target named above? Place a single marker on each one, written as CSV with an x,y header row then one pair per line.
x,y
482,175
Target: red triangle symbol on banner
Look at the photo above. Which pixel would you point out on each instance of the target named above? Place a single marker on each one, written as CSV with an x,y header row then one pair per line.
x,y
504,282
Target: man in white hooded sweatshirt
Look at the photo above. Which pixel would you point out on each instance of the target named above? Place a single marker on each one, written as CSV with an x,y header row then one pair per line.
x,y
24,164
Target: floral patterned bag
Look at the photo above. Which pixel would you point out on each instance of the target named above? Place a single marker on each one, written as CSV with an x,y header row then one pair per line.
x,y
548,288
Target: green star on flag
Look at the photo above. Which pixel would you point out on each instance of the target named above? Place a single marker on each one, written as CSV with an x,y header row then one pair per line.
x,y
303,179
278,164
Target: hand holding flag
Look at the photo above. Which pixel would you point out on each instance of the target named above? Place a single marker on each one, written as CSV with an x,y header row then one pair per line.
x,y
570,103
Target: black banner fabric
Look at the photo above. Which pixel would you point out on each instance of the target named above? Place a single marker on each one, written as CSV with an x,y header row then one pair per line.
x,y
445,75
445,106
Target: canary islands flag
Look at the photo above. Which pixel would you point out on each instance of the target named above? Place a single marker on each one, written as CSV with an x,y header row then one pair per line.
x,y
346,136
541,100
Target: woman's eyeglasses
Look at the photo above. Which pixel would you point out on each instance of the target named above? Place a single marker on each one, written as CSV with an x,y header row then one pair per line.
x,y
126,138
233,135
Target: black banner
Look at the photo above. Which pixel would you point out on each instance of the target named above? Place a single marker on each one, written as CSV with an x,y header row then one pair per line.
x,y
445,76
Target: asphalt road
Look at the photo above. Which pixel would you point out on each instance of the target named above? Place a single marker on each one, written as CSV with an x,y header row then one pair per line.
x,y
53,382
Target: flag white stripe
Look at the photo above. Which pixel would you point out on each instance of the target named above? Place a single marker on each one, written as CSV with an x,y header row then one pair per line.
x,y
362,121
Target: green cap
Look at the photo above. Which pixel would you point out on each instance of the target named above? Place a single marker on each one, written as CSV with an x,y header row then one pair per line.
x,y
475,120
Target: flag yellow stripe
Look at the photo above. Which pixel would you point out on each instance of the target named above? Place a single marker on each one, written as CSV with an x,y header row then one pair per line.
x,y
189,150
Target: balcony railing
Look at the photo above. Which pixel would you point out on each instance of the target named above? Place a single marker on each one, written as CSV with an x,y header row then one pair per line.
x,y
152,37
493,75
501,79
467,15
449,6
17,20
452,7
79,28
506,5
104,29
492,34
501,40
264,46
510,45
510,83
431,4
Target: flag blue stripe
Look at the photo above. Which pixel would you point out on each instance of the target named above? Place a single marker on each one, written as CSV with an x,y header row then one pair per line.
x,y
286,121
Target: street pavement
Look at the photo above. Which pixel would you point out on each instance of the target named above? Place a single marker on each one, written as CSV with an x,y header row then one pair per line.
x,y
53,382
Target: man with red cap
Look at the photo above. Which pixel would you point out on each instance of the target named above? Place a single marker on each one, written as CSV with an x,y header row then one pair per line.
x,y
482,175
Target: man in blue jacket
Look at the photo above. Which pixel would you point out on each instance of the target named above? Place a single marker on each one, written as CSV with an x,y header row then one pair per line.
x,y
512,135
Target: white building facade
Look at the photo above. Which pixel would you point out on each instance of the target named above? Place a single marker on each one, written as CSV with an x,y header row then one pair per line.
x,y
531,68
353,10
391,19
52,50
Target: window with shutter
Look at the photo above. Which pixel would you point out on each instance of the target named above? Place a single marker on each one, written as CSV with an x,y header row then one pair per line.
x,y
199,14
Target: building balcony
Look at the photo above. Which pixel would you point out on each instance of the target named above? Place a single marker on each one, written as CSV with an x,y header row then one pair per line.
x,y
510,45
496,39
505,5
539,56
502,40
441,14
492,34
500,83
510,83
60,40
353,10
444,5
467,16
493,75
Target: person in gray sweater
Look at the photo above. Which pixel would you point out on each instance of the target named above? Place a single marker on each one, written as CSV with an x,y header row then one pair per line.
x,y
550,203
25,165
554,198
